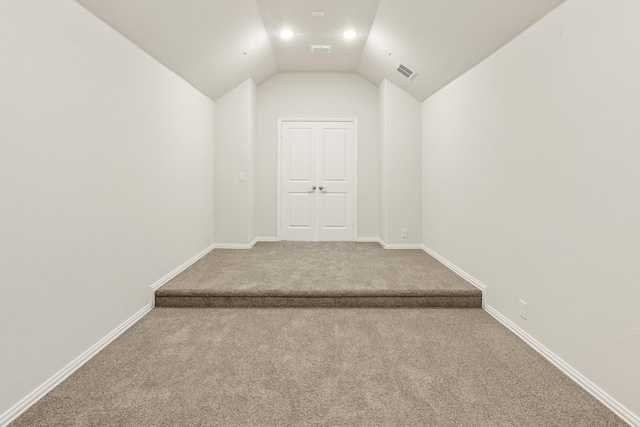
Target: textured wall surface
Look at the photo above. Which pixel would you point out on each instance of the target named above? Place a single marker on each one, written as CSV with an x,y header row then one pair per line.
x,y
106,185
400,165
531,185
235,152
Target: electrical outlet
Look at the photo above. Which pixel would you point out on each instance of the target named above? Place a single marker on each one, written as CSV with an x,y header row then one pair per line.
x,y
208,235
523,310
241,176
405,233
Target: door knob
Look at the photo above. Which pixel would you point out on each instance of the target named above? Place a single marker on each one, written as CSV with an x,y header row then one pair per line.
x,y
314,188
321,188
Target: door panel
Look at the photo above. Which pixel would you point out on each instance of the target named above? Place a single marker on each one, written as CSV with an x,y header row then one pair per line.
x,y
317,174
300,210
299,174
334,210
300,155
335,151
336,177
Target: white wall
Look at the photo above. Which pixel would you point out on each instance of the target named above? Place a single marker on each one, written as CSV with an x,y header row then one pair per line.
x,y
105,184
316,95
382,159
531,172
235,152
400,165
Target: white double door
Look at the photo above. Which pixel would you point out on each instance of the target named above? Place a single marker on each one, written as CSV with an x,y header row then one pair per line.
x,y
317,181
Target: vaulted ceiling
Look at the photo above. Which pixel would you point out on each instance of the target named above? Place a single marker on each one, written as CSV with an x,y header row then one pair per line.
x,y
217,44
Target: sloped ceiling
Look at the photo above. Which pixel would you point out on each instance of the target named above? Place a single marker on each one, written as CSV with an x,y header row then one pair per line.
x,y
442,39
203,41
217,44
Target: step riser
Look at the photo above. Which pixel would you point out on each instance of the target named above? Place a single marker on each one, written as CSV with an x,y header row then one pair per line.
x,y
310,302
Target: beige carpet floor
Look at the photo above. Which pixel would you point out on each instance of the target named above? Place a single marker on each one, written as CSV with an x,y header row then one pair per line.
x,y
322,367
319,269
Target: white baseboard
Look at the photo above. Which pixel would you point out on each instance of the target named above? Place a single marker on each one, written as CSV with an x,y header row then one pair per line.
x,y
576,376
451,266
267,239
173,273
245,246
388,245
617,408
401,246
17,409
369,240
235,245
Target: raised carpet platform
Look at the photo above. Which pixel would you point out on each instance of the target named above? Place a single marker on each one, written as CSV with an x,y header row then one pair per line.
x,y
318,274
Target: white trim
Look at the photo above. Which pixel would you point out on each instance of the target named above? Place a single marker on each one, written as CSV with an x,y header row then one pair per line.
x,y
245,246
234,245
370,240
356,144
390,245
173,273
401,245
267,239
615,406
16,410
316,119
451,266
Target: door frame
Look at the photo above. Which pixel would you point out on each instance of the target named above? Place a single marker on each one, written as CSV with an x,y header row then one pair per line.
x,y
355,168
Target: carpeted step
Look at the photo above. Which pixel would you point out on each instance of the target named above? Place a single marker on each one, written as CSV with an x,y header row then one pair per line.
x,y
462,298
318,274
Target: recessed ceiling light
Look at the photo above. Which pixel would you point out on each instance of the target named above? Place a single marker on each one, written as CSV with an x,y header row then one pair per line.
x,y
349,34
286,34
317,13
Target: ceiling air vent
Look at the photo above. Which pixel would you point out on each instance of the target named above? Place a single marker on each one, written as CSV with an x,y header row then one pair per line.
x,y
406,71
320,48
